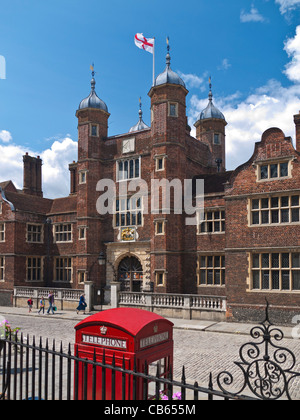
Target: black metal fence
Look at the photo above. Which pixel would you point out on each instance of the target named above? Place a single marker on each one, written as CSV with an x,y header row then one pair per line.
x,y
38,371
32,371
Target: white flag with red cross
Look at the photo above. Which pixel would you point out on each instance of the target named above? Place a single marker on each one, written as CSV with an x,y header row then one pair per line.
x,y
146,44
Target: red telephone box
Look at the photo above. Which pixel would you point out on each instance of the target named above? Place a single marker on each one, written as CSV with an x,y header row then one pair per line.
x,y
126,338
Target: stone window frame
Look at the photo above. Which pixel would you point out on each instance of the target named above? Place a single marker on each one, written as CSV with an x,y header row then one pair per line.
x,y
266,210
35,270
170,105
68,232
82,231
2,232
209,270
91,130
31,234
82,177
2,269
162,223
160,277
134,209
204,226
82,276
270,166
160,159
134,168
275,268
63,268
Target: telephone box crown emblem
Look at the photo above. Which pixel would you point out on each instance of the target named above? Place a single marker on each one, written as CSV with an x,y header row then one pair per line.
x,y
103,330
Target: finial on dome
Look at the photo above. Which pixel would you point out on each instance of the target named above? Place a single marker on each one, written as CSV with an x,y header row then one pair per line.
x,y
93,81
140,125
168,58
210,95
93,101
140,111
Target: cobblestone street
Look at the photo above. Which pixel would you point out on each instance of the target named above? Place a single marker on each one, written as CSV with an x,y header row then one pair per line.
x,y
201,352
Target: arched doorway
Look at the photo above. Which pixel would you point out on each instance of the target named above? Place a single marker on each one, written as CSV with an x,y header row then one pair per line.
x,y
130,275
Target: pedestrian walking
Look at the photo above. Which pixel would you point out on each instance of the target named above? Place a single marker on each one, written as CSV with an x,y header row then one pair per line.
x,y
42,305
82,304
51,303
30,304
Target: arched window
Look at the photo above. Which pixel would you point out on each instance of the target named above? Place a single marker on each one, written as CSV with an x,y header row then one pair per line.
x,y
131,274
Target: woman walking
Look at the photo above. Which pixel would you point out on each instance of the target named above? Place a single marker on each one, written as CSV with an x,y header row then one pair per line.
x,y
82,304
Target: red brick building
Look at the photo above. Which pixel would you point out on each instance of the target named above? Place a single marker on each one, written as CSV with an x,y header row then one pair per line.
x,y
247,248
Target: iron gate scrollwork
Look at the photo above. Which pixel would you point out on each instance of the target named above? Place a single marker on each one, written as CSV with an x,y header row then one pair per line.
x,y
267,369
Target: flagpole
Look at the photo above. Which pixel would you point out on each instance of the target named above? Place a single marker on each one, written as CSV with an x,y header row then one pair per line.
x,y
153,61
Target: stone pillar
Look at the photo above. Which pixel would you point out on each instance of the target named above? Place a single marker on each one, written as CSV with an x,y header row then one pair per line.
x,y
89,295
114,297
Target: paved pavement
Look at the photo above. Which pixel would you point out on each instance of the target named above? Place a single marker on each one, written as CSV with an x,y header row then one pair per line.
x,y
203,347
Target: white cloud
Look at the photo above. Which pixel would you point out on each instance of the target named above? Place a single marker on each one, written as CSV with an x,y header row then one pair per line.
x,y
225,64
292,47
252,16
5,136
192,80
55,166
287,5
270,105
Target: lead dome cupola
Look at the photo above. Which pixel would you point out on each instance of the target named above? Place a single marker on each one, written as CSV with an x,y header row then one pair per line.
x,y
211,111
168,76
93,101
140,125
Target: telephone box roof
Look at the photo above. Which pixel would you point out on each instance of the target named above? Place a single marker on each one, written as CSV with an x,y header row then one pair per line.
x,y
129,319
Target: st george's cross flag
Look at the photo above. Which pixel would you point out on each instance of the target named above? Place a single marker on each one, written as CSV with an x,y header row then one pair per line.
x,y
146,44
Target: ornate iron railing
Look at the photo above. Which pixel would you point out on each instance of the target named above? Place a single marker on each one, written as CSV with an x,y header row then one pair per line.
x,y
267,368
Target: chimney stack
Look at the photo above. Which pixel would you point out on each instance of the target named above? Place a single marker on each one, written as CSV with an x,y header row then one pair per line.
x,y
297,122
32,184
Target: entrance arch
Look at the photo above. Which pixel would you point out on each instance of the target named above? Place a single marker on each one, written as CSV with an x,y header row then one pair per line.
x,y
130,273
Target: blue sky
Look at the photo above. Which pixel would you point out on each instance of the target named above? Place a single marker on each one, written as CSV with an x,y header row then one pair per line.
x,y
250,48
